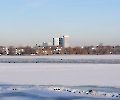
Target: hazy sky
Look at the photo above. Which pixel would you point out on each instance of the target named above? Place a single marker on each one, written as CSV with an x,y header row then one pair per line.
x,y
87,22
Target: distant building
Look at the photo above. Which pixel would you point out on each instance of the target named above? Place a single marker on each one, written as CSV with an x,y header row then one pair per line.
x,y
49,44
100,44
65,41
61,41
46,44
55,41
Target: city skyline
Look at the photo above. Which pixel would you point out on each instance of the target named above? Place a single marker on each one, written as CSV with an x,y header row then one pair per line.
x,y
61,41
30,22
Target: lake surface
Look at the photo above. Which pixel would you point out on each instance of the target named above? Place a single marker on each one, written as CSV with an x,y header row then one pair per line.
x,y
81,59
30,77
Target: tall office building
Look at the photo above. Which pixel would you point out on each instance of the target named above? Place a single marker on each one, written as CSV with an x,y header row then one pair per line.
x,y
65,41
61,41
55,41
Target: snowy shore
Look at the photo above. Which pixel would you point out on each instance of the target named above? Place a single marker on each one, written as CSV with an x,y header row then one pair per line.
x,y
37,92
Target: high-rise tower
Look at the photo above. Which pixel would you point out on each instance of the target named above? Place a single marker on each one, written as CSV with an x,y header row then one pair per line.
x,y
55,41
65,41
61,41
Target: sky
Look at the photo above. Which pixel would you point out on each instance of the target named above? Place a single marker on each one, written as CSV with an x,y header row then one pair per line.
x,y
87,22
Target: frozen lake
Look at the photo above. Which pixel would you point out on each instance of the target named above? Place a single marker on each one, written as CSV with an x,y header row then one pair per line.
x,y
60,74
82,59
103,78
68,56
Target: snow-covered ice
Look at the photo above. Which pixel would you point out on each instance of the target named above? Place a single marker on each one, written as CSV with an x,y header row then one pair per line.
x,y
61,74
68,56
84,59
75,77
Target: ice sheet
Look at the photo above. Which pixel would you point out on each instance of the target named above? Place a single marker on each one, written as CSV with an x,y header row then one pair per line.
x,y
61,74
69,56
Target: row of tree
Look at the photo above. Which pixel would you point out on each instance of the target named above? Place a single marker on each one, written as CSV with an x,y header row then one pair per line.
x,y
92,50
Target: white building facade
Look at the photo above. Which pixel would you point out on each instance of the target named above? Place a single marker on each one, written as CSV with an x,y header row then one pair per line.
x,y
62,41
55,41
65,41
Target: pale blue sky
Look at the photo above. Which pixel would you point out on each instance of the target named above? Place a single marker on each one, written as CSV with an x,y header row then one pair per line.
x,y
87,22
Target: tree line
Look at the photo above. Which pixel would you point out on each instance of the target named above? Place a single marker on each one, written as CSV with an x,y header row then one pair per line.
x,y
52,50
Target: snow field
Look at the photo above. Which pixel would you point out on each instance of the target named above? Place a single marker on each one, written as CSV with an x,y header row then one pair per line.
x,y
61,74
